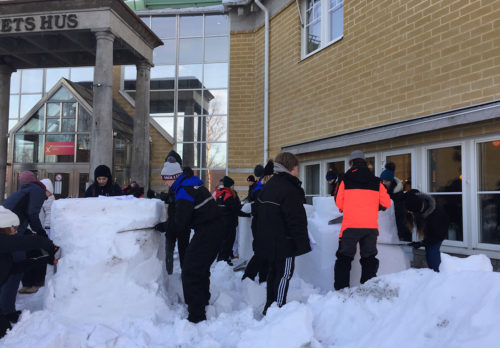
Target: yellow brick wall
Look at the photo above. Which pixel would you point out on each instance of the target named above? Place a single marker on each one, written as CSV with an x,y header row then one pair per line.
x,y
397,60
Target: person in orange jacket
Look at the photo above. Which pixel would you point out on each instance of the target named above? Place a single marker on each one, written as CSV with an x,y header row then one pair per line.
x,y
360,196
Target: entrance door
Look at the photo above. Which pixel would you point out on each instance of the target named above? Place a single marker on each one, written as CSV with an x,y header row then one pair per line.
x,y
68,183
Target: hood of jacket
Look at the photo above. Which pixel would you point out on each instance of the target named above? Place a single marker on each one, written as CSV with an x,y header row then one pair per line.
x,y
359,174
186,181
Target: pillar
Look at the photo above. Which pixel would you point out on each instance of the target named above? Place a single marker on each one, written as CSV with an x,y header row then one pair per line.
x,y
140,148
5,74
101,134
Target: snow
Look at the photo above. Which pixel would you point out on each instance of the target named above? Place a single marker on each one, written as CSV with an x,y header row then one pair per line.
x,y
111,290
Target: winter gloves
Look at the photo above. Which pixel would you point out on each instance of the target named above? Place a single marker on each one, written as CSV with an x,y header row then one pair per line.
x,y
416,245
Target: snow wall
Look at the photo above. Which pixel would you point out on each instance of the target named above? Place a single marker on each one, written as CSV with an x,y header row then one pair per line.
x,y
108,245
317,266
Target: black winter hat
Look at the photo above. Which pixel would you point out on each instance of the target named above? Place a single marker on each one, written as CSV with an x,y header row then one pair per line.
x,y
390,166
251,178
258,171
227,181
102,170
269,168
331,175
175,155
413,201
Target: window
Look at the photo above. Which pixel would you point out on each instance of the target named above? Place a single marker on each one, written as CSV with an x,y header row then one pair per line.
x,y
312,181
339,169
402,163
323,24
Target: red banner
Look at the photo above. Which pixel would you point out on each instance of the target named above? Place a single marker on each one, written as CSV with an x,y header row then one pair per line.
x,y
60,148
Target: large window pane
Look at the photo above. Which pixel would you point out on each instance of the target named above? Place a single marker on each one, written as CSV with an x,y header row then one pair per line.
x,y
52,76
214,128
489,217
53,109
336,13
14,82
189,154
216,49
311,182
190,51
28,101
489,166
162,102
52,125
187,129
452,205
164,27
217,100
35,124
339,169
215,155
165,54
163,72
216,25
68,125
370,162
189,102
69,110
216,75
14,106
191,26
166,123
83,74
63,145
83,148
32,81
190,76
83,120
403,169
62,94
28,148
445,169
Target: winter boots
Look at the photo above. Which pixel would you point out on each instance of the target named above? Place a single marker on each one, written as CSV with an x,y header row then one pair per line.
x,y
29,289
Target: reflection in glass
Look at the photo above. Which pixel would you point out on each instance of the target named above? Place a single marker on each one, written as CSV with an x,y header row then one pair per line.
x,y
14,106
336,12
165,54
189,154
52,76
84,74
452,206
216,49
28,148
403,169
53,109
62,94
312,180
12,123
191,26
216,25
28,101
166,123
163,71
214,128
445,169
129,74
164,27
59,138
489,166
216,75
83,148
370,162
190,51
52,125
68,125
14,82
31,81
489,217
217,100
69,110
187,129
215,155
35,123
211,177
313,25
84,118
162,102
189,102
82,186
339,169
190,76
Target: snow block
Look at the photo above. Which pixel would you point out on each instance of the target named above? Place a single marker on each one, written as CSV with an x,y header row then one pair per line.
x,y
450,264
108,245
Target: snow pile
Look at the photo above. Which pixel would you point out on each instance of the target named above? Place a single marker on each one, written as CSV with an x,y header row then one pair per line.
x,y
472,263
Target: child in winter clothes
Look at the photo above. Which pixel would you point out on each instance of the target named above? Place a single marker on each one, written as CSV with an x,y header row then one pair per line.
x,y
103,184
432,225
11,242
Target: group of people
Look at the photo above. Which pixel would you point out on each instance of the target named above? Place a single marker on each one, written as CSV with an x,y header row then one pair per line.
x,y
279,226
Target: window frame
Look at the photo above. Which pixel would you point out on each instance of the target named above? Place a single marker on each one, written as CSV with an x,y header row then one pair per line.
x,y
303,177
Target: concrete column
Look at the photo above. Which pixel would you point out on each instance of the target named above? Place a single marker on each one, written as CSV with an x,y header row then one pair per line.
x,y
101,134
140,148
5,74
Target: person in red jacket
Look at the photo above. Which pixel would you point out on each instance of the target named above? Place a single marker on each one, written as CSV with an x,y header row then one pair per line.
x,y
360,196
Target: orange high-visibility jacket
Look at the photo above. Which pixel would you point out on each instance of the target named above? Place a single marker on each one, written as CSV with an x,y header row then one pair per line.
x,y
361,195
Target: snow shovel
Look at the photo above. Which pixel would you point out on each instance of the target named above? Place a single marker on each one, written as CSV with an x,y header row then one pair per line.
x,y
396,244
137,229
57,256
337,220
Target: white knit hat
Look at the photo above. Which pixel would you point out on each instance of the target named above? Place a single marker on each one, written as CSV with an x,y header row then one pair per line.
x,y
7,218
48,185
171,168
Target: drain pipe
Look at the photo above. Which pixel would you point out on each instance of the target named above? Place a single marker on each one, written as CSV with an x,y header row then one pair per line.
x,y
266,80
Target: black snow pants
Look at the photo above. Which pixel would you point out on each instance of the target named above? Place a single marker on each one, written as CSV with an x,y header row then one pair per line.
x,y
367,239
278,279
200,254
182,238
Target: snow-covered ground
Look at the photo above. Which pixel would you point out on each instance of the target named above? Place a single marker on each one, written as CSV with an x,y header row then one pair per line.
x,y
111,290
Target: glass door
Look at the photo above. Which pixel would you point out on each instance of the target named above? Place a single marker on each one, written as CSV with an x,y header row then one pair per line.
x,y
62,184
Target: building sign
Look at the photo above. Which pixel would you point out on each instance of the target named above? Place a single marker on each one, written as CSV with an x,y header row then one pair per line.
x,y
38,23
60,148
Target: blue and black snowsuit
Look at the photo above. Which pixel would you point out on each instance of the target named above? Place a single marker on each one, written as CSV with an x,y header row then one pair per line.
x,y
196,208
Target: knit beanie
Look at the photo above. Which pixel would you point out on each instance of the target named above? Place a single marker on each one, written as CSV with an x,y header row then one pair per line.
x,y
269,168
227,181
331,175
413,201
7,218
102,170
356,154
26,177
251,178
387,175
258,171
48,185
172,167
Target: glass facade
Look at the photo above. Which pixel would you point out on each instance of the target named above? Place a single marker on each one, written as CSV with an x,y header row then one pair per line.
x,y
189,88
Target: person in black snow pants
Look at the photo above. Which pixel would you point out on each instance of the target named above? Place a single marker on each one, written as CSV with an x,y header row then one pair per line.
x,y
395,190
171,171
282,226
229,206
103,184
258,264
11,242
432,225
26,203
196,208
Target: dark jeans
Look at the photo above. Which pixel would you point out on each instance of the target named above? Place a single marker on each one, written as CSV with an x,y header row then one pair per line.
x,y
278,279
433,256
367,239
